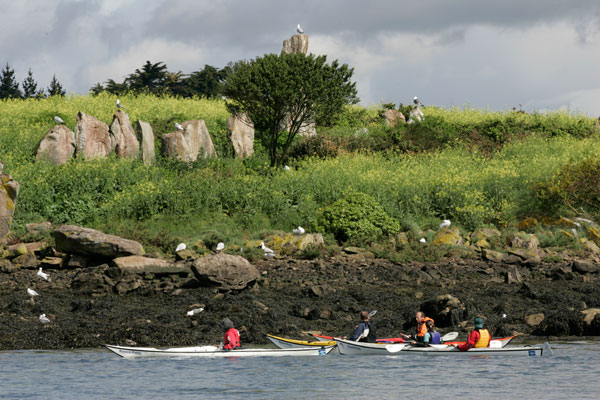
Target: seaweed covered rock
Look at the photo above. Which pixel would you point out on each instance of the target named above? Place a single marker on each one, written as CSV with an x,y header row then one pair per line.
x,y
224,271
90,242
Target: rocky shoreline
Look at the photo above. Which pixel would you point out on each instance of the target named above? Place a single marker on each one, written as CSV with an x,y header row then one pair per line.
x,y
93,300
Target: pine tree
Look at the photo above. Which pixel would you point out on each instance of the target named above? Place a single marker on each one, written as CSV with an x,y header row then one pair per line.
x,y
30,87
55,88
97,89
9,87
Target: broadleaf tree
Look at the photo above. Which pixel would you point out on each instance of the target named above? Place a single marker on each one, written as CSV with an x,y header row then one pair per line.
x,y
282,93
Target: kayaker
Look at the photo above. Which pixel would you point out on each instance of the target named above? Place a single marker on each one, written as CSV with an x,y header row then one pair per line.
x,y
478,337
365,330
431,337
421,327
231,337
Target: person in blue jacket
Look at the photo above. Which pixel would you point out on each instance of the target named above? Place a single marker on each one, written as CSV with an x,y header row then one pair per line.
x,y
365,330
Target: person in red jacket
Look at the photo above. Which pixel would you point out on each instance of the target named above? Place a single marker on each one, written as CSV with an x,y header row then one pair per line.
x,y
231,337
479,337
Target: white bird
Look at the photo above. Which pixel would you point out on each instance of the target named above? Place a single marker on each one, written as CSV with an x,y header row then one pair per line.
x,y
32,292
265,248
269,255
119,105
503,316
220,246
416,100
178,126
58,120
286,168
195,311
42,274
422,240
445,223
44,320
299,29
180,246
298,231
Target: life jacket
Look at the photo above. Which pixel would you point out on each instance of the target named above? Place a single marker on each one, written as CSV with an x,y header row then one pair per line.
x,y
422,328
371,336
484,338
231,339
436,338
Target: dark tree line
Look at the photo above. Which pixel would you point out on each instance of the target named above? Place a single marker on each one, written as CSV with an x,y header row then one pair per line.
x,y
155,78
9,87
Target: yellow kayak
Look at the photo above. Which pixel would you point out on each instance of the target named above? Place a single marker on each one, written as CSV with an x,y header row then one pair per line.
x,y
284,343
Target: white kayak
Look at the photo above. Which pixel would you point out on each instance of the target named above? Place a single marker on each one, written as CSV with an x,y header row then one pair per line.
x,y
359,348
212,351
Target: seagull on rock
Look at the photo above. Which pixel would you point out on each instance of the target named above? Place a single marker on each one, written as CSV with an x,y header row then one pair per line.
x,y
195,311
445,223
43,319
266,249
43,275
299,29
58,120
119,105
220,246
422,240
178,126
180,246
32,293
298,231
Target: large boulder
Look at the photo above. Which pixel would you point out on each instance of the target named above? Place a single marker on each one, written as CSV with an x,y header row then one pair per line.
x,y
296,44
141,265
188,144
146,138
122,136
449,236
9,191
225,271
393,117
92,137
241,132
90,242
57,146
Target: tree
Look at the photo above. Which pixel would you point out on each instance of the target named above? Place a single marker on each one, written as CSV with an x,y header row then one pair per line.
x,y
151,78
281,93
175,84
116,88
9,87
55,88
30,87
97,89
208,82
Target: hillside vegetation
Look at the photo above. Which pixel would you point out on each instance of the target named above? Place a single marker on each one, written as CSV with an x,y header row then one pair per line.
x,y
476,168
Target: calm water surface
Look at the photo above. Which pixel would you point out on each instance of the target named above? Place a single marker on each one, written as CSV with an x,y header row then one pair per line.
x,y
573,372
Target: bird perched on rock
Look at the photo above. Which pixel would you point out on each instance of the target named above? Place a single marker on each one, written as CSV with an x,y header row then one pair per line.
x,y
43,319
119,105
299,29
220,246
180,246
42,274
178,126
422,240
286,168
58,120
265,248
298,231
32,292
445,223
416,100
195,311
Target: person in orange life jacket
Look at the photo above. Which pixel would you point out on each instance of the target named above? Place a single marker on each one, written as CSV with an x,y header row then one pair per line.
x,y
231,337
431,337
421,327
479,337
365,330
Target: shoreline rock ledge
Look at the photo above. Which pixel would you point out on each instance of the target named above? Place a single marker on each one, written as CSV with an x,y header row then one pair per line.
x,y
91,242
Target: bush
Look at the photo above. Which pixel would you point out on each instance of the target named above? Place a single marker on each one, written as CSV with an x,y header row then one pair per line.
x,y
357,219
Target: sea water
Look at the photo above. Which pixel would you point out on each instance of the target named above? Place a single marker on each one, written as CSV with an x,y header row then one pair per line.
x,y
573,372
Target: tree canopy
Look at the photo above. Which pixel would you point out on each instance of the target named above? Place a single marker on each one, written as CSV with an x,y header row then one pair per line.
x,y
282,93
9,87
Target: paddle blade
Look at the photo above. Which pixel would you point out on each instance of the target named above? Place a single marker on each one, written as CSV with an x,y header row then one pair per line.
x,y
449,336
372,313
394,348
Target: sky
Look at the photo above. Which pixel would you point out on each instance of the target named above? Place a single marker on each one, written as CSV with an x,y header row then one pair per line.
x,y
536,55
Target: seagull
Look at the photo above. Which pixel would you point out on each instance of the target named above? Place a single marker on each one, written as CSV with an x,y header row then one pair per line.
x,y
58,120
416,100
445,223
286,168
178,126
195,311
265,248
32,293
298,231
422,240
43,319
43,275
220,246
180,246
119,105
299,29
503,316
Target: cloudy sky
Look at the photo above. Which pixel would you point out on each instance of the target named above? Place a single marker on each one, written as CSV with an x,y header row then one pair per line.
x,y
541,54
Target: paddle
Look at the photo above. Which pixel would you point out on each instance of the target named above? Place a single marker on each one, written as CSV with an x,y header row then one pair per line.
x,y
372,313
394,348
